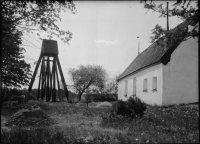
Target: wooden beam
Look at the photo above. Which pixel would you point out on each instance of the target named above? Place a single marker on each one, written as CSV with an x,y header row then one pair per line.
x,y
58,84
43,80
34,74
62,77
54,83
47,85
38,96
50,76
46,71
49,60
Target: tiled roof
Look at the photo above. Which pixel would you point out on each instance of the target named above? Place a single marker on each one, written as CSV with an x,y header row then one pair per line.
x,y
155,53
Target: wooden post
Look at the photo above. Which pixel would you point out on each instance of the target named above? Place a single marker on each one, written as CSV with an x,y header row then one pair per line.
x,y
54,81
43,79
58,84
62,77
51,74
47,78
42,82
34,74
38,96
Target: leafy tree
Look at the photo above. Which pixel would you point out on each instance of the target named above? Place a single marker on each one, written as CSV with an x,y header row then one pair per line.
x,y
14,71
183,9
85,77
88,98
39,16
22,17
111,87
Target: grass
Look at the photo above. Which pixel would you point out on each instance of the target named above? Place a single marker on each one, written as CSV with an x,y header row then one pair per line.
x,y
160,124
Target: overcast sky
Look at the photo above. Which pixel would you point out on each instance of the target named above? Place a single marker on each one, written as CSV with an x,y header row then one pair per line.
x,y
104,33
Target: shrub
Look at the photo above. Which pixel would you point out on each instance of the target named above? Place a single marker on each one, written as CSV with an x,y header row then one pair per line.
x,y
30,96
131,108
17,95
16,98
4,95
104,97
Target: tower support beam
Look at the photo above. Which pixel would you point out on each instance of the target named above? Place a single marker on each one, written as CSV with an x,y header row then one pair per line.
x,y
49,73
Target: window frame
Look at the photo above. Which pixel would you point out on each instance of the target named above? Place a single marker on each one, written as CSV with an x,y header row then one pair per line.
x,y
145,85
154,84
126,88
134,86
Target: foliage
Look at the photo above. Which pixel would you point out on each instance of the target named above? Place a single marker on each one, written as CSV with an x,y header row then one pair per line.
x,y
108,93
86,77
183,9
14,70
29,96
88,98
101,97
111,86
173,124
4,95
157,32
16,95
39,16
18,18
131,108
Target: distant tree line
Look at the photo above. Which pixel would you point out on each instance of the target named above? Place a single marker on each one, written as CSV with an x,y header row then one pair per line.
x,y
73,97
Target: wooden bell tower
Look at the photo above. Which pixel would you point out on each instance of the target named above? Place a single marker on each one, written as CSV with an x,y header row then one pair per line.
x,y
48,73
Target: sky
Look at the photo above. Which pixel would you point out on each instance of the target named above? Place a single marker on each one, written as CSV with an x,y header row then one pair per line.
x,y
104,33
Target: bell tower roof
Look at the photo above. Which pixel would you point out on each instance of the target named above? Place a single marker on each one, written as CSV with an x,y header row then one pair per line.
x,y
49,47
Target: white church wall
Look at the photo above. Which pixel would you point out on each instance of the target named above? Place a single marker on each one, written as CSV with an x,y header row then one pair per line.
x,y
181,74
150,96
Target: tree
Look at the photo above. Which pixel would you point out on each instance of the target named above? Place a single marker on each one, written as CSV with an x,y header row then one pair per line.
x,y
14,71
22,17
111,86
85,77
39,16
183,9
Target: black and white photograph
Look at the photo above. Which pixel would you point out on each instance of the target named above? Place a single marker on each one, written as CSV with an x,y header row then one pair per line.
x,y
99,72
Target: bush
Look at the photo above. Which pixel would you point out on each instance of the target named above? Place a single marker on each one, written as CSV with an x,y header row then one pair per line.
x,y
4,95
131,108
16,98
30,96
104,97
17,95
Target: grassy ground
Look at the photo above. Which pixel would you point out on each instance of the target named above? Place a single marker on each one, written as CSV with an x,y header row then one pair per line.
x,y
173,124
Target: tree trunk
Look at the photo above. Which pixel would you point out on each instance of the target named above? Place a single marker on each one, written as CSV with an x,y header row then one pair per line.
x,y
79,97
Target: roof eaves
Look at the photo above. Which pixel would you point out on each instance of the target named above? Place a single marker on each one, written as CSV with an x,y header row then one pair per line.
x,y
134,72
